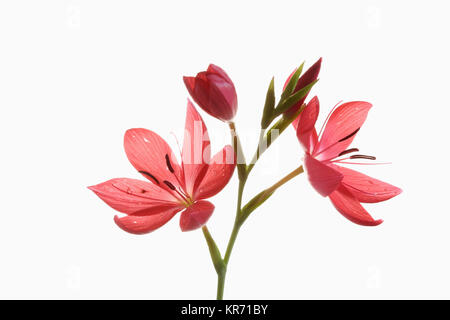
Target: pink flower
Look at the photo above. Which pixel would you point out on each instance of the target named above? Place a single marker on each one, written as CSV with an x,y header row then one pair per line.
x,y
171,187
346,188
214,92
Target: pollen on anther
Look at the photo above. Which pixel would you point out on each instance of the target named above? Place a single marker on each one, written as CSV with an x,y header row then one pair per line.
x,y
150,176
170,185
350,135
348,151
361,156
169,165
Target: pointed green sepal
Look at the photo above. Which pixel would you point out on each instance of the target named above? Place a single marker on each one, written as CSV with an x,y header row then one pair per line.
x,y
290,87
216,257
293,99
268,106
254,203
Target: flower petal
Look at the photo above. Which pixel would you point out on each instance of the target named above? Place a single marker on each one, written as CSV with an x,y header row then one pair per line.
x,y
196,215
341,128
350,208
225,87
196,152
323,178
218,175
144,224
152,157
134,196
367,189
306,132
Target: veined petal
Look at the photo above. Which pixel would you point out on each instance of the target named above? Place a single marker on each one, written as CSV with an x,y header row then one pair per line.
x,y
323,178
218,175
152,157
306,132
341,129
367,189
349,207
134,196
144,224
196,215
196,152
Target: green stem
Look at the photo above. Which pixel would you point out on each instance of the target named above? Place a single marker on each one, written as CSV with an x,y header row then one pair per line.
x,y
220,264
237,224
261,197
220,285
285,179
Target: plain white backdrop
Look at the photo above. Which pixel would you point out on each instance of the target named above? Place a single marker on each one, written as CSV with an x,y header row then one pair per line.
x,y
74,75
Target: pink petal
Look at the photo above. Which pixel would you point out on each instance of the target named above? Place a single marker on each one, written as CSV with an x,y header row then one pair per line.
x,y
306,132
152,157
196,152
367,189
323,178
341,128
218,175
350,208
144,224
225,86
308,77
196,215
213,69
134,196
189,82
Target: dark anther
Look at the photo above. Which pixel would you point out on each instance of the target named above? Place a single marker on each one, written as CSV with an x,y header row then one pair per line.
x,y
350,135
361,156
348,151
143,191
150,175
169,184
169,165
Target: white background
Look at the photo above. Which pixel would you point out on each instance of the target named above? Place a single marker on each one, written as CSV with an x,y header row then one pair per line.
x,y
74,75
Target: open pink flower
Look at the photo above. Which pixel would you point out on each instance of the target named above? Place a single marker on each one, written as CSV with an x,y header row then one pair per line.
x,y
346,188
214,92
171,187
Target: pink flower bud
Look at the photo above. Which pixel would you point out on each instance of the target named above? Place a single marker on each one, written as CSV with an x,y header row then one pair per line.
x,y
308,77
214,92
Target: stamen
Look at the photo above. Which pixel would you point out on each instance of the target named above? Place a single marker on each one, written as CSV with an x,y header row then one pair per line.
x,y
333,144
180,193
149,175
348,151
361,156
350,135
169,165
167,183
